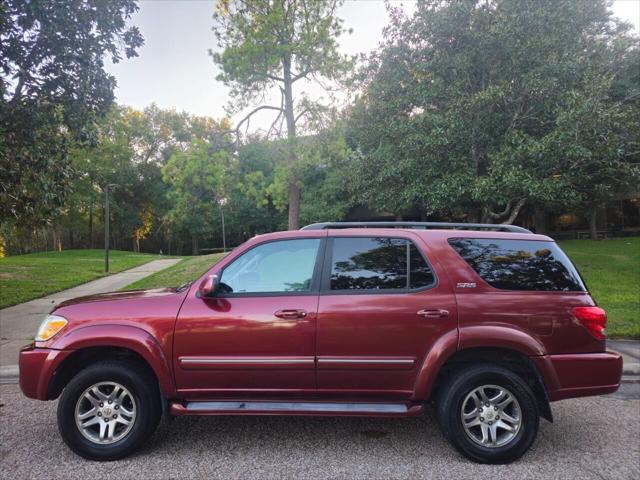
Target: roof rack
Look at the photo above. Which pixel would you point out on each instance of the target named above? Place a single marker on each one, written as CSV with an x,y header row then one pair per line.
x,y
421,225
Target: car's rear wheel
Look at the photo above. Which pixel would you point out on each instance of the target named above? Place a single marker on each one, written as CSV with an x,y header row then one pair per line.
x,y
108,410
488,413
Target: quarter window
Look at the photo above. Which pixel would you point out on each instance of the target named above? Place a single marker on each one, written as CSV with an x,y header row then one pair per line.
x,y
520,264
377,263
420,274
274,267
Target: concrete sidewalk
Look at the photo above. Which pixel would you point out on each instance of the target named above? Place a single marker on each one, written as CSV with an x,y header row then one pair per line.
x,y
630,351
18,324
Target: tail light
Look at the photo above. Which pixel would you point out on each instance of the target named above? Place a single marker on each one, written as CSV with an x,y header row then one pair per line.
x,y
594,320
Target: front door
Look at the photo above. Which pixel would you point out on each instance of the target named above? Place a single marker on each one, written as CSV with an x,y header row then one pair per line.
x,y
381,308
258,333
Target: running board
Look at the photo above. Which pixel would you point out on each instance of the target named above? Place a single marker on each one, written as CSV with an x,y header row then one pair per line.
x,y
295,408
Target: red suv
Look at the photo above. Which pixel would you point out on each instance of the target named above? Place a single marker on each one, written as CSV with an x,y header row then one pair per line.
x,y
487,322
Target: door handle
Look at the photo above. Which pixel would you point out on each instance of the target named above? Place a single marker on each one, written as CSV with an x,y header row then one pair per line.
x,y
291,314
438,313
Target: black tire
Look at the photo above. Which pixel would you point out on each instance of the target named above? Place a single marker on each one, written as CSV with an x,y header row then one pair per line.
x,y
449,412
143,387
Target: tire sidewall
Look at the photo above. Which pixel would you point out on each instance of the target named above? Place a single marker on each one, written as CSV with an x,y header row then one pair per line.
x,y
450,412
147,414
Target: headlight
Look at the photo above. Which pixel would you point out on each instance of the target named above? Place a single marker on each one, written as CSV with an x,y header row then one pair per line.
x,y
50,327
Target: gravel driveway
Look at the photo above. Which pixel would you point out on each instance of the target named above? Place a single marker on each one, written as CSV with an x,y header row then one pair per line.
x,y
594,437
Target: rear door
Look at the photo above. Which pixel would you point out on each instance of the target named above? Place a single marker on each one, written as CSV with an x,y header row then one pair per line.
x,y
382,305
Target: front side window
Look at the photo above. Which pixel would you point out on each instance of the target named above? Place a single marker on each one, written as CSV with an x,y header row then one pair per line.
x,y
377,263
274,267
520,264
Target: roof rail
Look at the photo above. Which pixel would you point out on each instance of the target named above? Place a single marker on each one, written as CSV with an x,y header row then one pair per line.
x,y
422,225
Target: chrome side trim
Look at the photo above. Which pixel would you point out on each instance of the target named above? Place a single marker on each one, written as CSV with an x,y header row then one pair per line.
x,y
214,361
298,407
367,360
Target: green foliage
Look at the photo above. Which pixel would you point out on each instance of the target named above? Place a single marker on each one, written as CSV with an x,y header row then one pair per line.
x,y
469,110
198,182
325,184
269,44
262,41
24,277
479,107
52,86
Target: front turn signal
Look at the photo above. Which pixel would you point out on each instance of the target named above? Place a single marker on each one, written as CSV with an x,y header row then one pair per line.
x,y
50,327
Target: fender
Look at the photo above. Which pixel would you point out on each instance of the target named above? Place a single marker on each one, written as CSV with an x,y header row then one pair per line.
x,y
489,336
440,352
123,336
499,336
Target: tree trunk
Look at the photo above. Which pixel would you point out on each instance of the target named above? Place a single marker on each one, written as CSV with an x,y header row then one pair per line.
x,y
293,188
57,239
593,223
508,215
485,216
540,220
516,210
294,204
194,245
475,157
91,225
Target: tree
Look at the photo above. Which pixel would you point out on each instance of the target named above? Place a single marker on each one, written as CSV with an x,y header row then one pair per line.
x,y
275,44
460,103
595,148
129,149
198,181
53,85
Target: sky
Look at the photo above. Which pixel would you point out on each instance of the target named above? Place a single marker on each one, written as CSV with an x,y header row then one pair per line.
x,y
175,70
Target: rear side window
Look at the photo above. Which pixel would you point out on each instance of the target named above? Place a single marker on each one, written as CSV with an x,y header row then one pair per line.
x,y
520,264
377,263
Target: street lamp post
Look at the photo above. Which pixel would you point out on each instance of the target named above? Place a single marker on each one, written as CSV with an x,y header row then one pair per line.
x,y
107,221
221,203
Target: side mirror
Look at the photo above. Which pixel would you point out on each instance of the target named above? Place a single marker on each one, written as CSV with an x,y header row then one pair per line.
x,y
208,286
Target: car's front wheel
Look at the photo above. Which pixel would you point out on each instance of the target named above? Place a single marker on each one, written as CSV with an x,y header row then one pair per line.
x,y
108,410
488,413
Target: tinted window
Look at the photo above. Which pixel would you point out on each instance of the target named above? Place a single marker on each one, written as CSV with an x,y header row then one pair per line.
x,y
284,266
368,264
520,264
421,274
377,264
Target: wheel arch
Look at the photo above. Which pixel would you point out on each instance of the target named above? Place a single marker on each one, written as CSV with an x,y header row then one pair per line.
x,y
514,360
104,342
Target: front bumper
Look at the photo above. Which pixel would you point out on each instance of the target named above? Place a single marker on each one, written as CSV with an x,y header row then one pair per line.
x,y
580,375
37,367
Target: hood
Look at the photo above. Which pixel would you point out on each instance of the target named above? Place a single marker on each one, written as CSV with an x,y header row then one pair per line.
x,y
127,295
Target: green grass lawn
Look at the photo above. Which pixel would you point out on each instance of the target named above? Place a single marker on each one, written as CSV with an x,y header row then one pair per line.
x,y
184,271
25,277
611,269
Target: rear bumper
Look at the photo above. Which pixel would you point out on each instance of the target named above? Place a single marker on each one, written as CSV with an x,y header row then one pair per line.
x,y
580,375
37,367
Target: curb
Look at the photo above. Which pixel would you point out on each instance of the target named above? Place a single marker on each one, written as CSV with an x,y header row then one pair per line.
x,y
9,374
631,369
